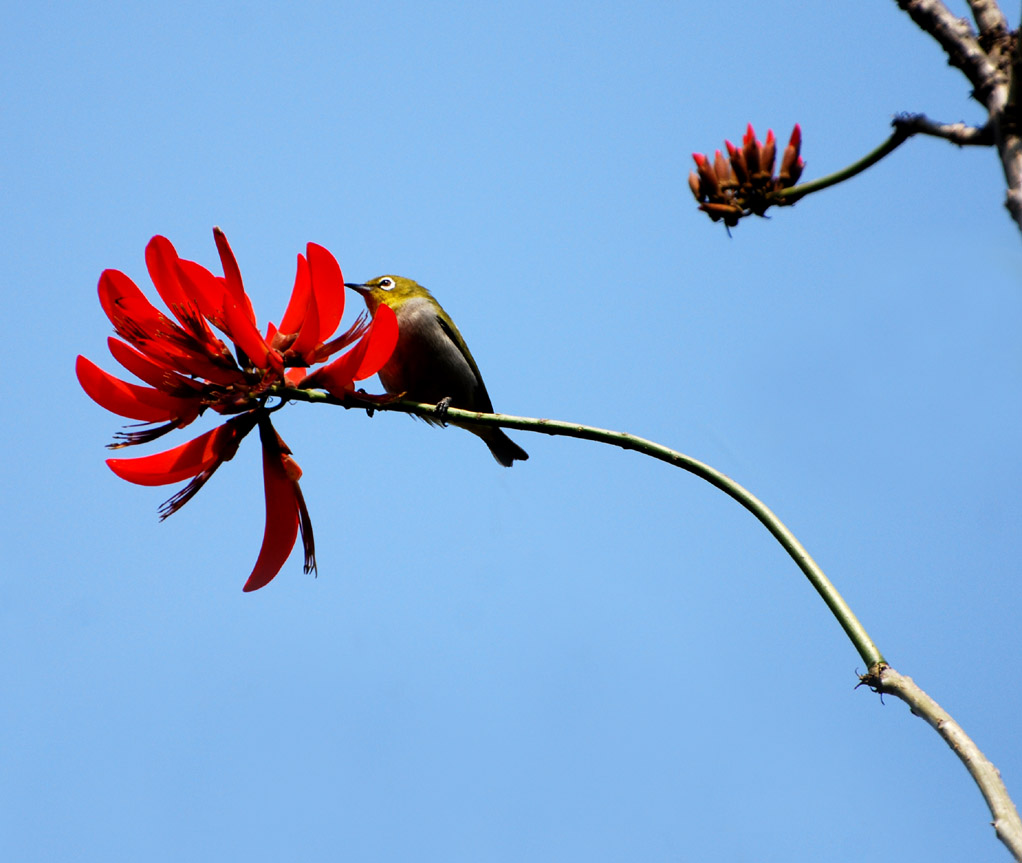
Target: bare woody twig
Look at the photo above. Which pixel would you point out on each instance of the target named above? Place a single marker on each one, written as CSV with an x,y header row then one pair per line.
x,y
1007,825
988,17
957,133
992,62
959,42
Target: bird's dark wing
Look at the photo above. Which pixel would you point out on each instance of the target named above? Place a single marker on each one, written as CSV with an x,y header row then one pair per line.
x,y
482,400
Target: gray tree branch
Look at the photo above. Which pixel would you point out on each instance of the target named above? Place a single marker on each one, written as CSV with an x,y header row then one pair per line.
x,y
959,42
988,17
957,133
992,62
1006,823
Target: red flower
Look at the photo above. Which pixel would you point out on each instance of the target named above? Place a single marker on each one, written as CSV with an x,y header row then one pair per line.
x,y
742,183
189,369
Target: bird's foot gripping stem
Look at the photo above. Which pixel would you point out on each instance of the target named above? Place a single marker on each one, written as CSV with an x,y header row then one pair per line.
x,y
441,410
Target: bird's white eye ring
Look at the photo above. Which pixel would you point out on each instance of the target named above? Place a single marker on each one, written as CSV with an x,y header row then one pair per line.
x,y
386,283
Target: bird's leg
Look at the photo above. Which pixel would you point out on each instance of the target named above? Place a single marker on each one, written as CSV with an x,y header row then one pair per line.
x,y
441,409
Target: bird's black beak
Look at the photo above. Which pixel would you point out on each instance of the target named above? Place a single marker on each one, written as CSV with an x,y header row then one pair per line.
x,y
362,289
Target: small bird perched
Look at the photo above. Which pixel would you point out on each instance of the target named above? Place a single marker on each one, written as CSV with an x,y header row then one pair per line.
x,y
431,362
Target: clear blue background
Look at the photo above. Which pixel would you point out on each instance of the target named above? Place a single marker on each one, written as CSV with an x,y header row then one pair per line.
x,y
591,656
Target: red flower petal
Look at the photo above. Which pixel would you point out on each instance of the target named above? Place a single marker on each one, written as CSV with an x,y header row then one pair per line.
x,y
129,311
204,289
163,263
362,361
130,400
245,335
337,377
308,336
328,287
190,363
232,275
153,373
152,332
282,508
291,323
380,342
358,329
161,259
187,460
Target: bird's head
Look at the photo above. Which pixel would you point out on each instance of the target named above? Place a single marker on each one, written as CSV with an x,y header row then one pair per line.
x,y
393,291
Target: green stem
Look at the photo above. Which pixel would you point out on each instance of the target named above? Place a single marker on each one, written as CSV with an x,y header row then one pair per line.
x,y
835,602
795,193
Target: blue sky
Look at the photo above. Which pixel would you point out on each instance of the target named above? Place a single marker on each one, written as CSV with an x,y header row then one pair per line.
x,y
590,656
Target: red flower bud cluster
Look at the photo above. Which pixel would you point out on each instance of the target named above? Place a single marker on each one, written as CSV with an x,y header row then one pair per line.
x,y
743,182
190,370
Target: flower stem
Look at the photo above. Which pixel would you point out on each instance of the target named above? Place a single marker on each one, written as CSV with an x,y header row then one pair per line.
x,y
795,193
880,677
835,602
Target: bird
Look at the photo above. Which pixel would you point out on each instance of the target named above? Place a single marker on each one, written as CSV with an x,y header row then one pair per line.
x,y
431,362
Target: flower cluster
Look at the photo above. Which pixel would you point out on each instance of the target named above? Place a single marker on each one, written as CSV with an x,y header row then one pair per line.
x,y
743,182
188,370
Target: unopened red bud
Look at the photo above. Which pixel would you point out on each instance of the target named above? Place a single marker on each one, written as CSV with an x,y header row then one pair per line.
x,y
750,149
788,161
791,162
796,138
721,166
693,184
738,163
769,151
706,175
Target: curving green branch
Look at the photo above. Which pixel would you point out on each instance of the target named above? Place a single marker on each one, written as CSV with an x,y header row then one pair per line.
x,y
835,602
880,677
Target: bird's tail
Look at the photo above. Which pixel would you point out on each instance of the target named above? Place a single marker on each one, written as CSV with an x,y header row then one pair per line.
x,y
504,450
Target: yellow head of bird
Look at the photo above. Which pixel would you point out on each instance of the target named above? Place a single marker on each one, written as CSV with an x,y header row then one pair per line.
x,y
393,291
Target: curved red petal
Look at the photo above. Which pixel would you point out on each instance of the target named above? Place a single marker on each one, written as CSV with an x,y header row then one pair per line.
x,y
157,336
189,362
161,259
127,307
308,336
232,275
129,400
328,286
152,372
182,462
282,509
338,377
204,289
164,268
380,342
294,316
245,335
365,359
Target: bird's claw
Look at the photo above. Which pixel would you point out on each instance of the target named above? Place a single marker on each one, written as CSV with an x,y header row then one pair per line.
x,y
441,409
